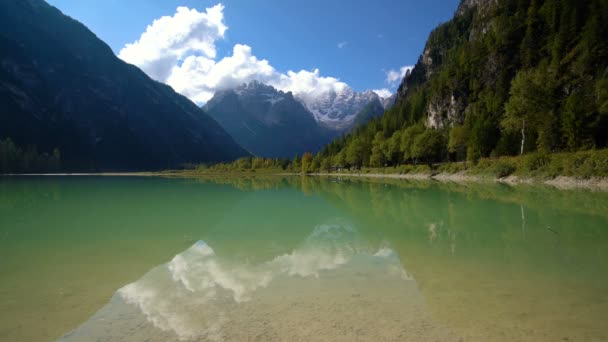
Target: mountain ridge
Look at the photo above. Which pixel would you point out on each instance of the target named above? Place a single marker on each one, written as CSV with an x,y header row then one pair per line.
x,y
61,86
266,121
254,112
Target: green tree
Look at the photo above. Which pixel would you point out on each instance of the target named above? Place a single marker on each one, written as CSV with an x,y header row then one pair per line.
x,y
257,163
56,160
458,140
340,158
357,152
532,43
408,137
601,95
326,164
244,163
378,158
9,155
14,159
296,165
392,148
576,118
531,106
428,146
316,163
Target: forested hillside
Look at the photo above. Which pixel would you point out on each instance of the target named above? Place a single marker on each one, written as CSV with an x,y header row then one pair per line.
x,y
501,78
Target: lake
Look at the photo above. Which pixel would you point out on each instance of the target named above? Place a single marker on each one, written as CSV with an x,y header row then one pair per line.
x,y
299,259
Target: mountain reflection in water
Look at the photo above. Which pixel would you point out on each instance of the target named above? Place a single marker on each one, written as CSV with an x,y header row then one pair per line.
x,y
299,258
333,277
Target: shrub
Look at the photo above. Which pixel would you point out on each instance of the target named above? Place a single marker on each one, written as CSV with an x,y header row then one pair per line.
x,y
536,161
452,167
589,163
503,169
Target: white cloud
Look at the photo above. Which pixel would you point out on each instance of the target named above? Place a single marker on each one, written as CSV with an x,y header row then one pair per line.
x,y
394,77
169,39
342,45
383,93
307,85
198,78
180,50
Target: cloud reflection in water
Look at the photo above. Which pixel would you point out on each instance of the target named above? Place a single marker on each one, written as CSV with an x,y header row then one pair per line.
x,y
196,293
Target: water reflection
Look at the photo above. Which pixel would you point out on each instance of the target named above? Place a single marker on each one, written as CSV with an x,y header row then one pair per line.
x,y
201,295
484,262
493,262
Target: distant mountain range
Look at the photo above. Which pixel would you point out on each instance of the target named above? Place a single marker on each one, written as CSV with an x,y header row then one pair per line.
x,y
271,123
61,86
267,122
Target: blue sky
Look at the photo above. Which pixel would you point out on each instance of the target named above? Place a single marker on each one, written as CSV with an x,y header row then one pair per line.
x,y
356,41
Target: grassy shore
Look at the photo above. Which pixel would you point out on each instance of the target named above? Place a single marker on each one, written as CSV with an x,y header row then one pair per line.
x,y
573,170
584,169
581,165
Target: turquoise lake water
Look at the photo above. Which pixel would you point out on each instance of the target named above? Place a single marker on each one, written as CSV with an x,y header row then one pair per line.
x,y
299,259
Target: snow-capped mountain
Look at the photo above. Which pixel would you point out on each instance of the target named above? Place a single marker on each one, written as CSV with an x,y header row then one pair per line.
x,y
265,93
273,123
337,109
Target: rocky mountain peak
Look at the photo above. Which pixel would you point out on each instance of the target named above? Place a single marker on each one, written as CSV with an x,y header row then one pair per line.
x,y
481,5
337,107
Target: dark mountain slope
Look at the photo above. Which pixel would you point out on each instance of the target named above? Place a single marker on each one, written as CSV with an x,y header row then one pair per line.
x,y
60,86
373,109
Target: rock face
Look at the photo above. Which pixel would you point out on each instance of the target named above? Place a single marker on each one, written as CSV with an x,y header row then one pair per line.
x,y
482,6
446,109
444,112
371,110
268,122
389,101
60,86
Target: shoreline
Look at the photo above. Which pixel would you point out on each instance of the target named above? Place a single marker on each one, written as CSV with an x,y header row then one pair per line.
x,y
88,174
596,184
559,182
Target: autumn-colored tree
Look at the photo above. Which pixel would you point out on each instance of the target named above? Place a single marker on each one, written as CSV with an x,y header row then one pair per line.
x,y
306,162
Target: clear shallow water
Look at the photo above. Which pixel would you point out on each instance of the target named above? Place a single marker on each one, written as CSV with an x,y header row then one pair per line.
x,y
236,259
